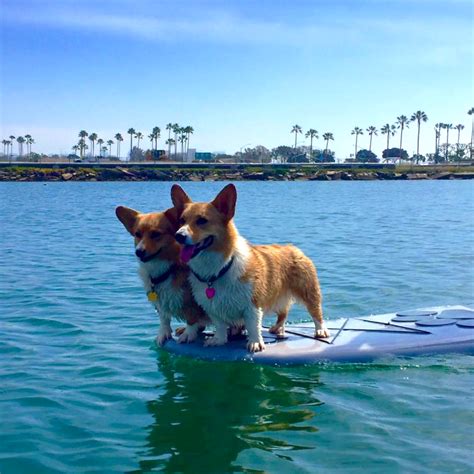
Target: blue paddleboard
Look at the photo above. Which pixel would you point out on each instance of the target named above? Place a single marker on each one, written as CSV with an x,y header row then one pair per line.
x,y
406,333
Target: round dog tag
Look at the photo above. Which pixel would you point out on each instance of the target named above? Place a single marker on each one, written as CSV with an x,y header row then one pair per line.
x,y
152,296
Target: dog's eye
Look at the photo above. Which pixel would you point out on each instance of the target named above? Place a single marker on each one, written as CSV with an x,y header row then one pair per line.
x,y
201,221
155,235
138,235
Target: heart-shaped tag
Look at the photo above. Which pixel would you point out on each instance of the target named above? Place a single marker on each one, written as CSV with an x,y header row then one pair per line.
x,y
210,292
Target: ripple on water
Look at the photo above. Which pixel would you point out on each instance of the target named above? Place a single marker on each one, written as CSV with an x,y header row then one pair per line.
x,y
83,389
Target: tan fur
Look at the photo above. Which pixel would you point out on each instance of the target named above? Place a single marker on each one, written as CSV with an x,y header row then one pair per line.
x,y
144,229
277,274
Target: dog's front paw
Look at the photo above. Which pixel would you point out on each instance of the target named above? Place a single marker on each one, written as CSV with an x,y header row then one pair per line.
x,y
163,336
214,341
322,332
257,346
188,335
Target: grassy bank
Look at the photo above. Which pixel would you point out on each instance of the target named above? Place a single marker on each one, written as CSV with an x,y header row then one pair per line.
x,y
245,173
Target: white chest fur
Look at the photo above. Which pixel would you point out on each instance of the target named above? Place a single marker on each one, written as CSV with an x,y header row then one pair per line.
x,y
232,296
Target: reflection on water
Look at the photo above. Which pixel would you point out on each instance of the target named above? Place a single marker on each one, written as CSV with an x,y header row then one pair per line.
x,y
209,413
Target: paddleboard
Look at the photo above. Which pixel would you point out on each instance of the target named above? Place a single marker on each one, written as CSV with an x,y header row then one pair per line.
x,y
438,330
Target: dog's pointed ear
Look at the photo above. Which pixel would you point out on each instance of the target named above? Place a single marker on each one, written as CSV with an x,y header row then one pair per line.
x,y
127,217
172,215
179,198
225,201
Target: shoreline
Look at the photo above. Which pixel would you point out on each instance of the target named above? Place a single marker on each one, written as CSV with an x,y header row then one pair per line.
x,y
243,173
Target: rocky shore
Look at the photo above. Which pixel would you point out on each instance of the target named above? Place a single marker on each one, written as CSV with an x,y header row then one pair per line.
x,y
244,174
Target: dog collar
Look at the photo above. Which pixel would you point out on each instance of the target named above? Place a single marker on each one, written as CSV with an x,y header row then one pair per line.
x,y
152,295
210,290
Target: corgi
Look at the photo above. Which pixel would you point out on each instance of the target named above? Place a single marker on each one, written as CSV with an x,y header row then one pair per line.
x,y
164,276
236,283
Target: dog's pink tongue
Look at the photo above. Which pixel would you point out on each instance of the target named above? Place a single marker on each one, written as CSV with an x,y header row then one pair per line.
x,y
187,252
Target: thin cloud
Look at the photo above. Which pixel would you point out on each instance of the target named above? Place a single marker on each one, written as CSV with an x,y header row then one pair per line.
x,y
210,24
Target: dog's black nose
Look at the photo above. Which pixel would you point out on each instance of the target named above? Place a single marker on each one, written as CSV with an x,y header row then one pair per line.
x,y
181,238
140,253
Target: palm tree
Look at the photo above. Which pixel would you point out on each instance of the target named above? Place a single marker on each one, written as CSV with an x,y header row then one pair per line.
x,y
93,137
110,143
176,131
183,137
82,136
388,130
8,143
188,130
12,139
5,144
169,127
100,142
311,134
151,137
357,131
82,146
29,141
471,112
138,136
458,127
75,148
448,127
418,117
119,139
296,129
437,128
327,136
372,131
402,123
132,132
156,132
170,142
20,141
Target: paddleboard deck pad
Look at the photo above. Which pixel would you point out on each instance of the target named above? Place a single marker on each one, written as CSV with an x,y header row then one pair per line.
x,y
448,329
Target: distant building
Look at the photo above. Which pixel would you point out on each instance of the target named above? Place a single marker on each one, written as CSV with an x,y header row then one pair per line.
x,y
203,156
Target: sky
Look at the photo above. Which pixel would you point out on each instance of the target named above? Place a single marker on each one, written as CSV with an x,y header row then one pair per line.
x,y
240,72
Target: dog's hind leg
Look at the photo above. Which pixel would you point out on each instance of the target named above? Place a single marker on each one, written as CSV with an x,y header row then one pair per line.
x,y
279,327
306,289
315,310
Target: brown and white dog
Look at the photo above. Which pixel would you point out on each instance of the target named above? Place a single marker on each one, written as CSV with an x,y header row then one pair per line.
x,y
235,282
164,276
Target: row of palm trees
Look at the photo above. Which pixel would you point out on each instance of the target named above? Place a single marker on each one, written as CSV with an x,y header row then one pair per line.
x,y
312,134
8,145
181,134
402,122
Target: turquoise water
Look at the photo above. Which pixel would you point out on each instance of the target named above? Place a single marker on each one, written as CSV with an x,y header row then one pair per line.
x,y
83,389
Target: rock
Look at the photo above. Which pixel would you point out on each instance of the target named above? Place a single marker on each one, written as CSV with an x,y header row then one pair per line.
x,y
444,175
259,176
413,176
320,177
300,175
66,176
463,175
126,172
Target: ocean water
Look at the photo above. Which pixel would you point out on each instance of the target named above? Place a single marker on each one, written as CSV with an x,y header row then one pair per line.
x,y
84,389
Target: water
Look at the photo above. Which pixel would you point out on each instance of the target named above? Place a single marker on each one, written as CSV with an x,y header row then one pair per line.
x,y
83,389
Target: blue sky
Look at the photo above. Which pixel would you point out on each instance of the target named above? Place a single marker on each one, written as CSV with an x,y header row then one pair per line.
x,y
240,72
